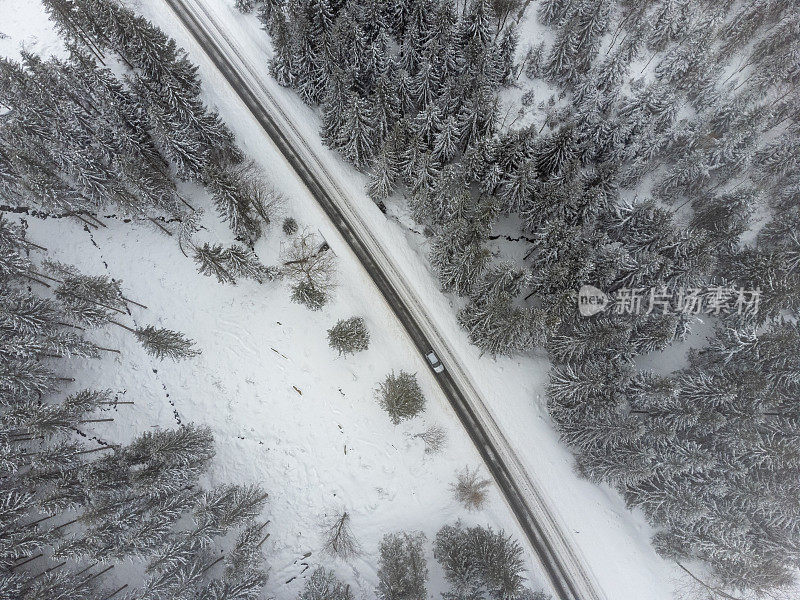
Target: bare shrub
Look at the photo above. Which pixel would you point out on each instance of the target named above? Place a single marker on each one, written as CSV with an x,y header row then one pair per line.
x,y
470,489
434,438
339,538
310,264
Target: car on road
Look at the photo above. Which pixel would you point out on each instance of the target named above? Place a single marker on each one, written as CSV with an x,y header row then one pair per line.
x,y
438,367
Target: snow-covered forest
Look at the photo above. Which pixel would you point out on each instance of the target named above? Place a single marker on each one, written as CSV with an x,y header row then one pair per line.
x,y
112,133
649,149
655,155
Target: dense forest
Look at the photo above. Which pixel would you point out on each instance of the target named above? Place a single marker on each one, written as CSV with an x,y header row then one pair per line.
x,y
662,166
116,125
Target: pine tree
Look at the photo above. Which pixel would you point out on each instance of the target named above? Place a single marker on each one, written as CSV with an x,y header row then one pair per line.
x,y
323,585
164,343
64,504
479,561
400,396
235,193
358,137
229,264
383,173
166,82
211,260
103,153
402,569
349,336
551,12
245,6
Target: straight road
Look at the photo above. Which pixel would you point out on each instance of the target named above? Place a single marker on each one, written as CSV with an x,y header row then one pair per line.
x,y
570,578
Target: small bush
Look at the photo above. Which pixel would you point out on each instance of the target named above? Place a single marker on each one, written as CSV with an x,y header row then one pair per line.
x,y
434,438
401,396
289,226
470,490
349,336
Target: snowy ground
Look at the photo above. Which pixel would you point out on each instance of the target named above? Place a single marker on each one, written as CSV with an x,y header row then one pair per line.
x,y
285,411
294,444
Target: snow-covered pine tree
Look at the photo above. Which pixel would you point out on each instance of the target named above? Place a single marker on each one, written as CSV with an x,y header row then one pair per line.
x,y
478,560
402,568
165,81
165,343
233,195
384,172
358,136
323,585
349,336
494,322
400,396
102,154
230,263
63,503
212,260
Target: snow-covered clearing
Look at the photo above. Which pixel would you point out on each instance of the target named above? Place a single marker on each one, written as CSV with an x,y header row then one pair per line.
x,y
286,412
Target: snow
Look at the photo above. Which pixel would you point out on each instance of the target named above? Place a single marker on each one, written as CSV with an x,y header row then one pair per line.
x,y
258,346
614,541
286,412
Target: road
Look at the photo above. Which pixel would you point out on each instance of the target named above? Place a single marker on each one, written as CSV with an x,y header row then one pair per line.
x,y
560,560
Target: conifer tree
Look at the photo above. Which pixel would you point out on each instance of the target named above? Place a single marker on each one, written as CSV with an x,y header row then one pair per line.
x,y
401,396
323,585
480,561
64,503
358,136
402,568
164,343
349,336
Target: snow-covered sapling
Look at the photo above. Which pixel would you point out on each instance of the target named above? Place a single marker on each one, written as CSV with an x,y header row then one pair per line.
x,y
165,343
401,396
310,296
434,438
349,336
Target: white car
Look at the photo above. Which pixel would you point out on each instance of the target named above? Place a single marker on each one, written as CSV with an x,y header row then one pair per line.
x,y
438,367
